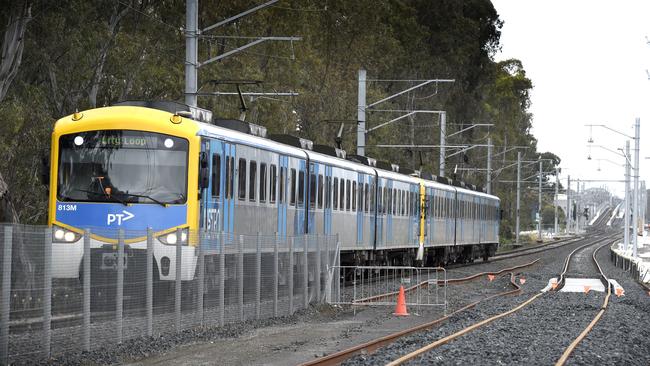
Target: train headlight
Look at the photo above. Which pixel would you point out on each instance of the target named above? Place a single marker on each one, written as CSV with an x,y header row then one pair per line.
x,y
61,235
172,238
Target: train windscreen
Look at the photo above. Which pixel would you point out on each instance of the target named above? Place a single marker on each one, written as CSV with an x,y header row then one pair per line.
x,y
122,166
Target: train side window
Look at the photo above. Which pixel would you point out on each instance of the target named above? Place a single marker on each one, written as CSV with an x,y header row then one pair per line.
x,y
320,191
312,190
394,201
242,178
385,200
347,195
273,181
328,192
301,187
263,182
371,203
389,200
292,190
380,199
366,198
230,177
283,184
252,179
342,195
216,175
336,193
354,196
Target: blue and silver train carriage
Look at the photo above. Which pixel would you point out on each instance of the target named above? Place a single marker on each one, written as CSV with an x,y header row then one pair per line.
x,y
166,166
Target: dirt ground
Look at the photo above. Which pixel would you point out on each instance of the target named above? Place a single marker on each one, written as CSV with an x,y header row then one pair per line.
x,y
293,344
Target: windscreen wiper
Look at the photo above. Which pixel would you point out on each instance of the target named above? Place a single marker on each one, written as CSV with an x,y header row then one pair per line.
x,y
106,195
164,204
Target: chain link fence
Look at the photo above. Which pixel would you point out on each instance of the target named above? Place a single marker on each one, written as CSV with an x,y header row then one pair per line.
x,y
62,297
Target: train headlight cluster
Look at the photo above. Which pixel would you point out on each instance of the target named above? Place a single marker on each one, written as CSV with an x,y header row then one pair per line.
x,y
61,235
172,238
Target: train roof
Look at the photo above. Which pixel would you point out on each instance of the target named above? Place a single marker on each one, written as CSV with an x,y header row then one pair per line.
x,y
245,133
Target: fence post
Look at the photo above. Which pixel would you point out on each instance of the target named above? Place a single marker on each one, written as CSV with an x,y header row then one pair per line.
x,y
5,305
337,263
328,268
240,276
177,286
276,274
305,269
47,292
86,284
149,284
258,276
201,278
290,276
119,303
222,280
318,274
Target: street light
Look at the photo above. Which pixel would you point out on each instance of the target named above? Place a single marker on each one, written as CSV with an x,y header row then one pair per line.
x,y
626,225
635,210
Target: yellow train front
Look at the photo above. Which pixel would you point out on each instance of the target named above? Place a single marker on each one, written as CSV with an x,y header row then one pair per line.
x,y
130,168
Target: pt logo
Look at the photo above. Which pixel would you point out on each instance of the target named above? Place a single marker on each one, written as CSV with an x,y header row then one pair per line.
x,y
120,218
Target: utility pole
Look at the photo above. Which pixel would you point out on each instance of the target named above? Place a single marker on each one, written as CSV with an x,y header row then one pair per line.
x,y
626,211
192,64
539,208
577,223
488,178
518,196
443,133
191,51
361,114
568,204
557,184
637,126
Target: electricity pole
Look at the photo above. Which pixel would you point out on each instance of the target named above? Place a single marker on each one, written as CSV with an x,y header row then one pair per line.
x,y
518,196
443,133
557,183
636,186
191,51
192,33
539,208
488,178
361,114
568,205
626,218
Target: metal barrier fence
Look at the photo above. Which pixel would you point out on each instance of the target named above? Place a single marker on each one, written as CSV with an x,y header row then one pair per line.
x,y
370,285
132,289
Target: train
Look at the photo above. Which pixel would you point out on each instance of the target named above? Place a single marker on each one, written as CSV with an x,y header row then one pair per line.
x,y
174,170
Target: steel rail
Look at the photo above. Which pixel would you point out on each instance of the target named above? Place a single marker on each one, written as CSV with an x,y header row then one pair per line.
x,y
371,346
567,352
475,326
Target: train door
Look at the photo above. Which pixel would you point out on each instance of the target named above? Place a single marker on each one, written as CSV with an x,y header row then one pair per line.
x,y
380,227
282,182
388,210
371,197
218,203
360,211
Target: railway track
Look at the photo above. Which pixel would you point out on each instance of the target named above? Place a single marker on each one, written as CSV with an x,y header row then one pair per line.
x,y
369,347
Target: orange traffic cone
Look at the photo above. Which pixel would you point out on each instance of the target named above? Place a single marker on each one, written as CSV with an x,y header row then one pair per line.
x,y
400,309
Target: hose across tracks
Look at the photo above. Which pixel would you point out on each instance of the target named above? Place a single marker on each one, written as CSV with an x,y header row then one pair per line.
x,y
475,326
371,346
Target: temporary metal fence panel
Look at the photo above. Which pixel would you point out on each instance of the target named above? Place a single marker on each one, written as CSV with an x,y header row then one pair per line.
x,y
115,293
380,286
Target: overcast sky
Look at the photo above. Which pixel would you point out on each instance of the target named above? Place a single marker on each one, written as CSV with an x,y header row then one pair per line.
x,y
587,61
